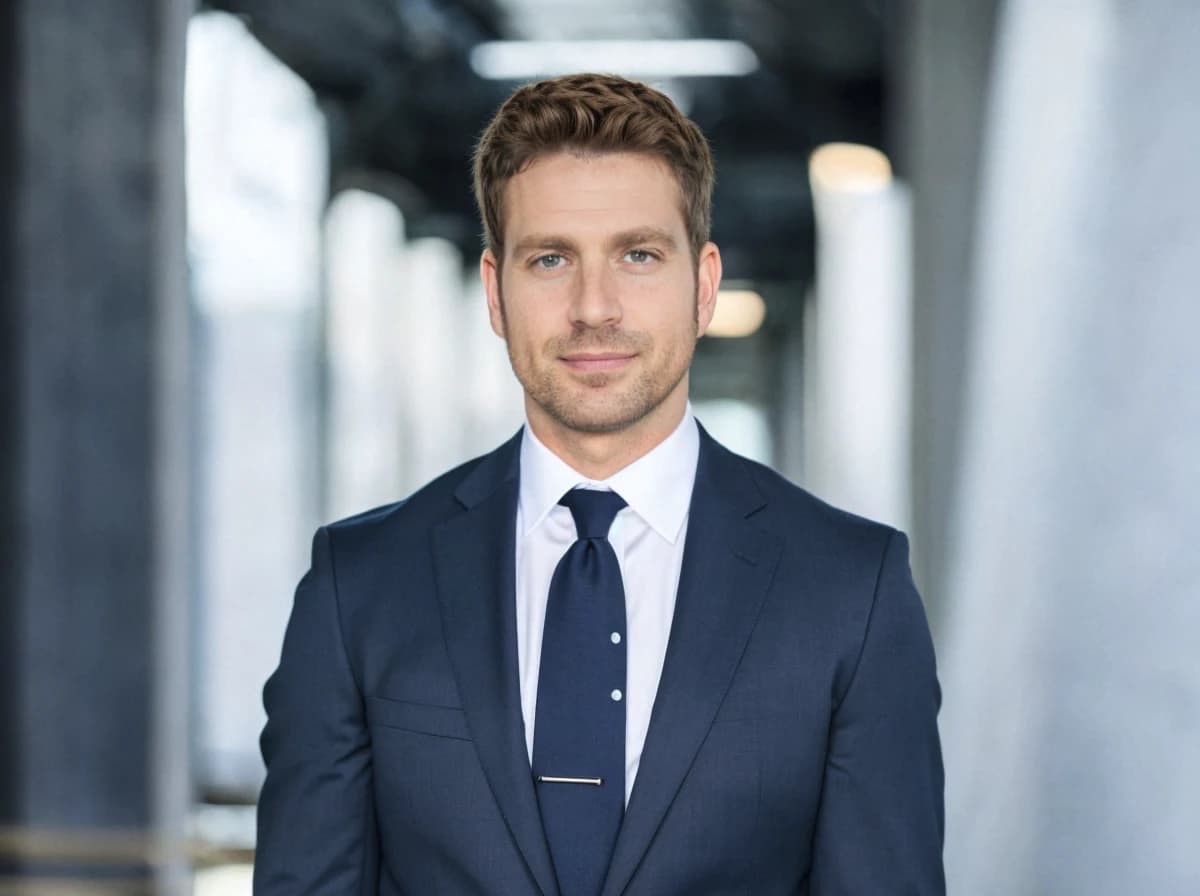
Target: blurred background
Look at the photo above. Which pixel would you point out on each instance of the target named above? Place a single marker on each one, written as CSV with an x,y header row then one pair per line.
x,y
239,298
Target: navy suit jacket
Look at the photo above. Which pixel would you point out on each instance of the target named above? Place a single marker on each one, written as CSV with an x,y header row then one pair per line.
x,y
792,749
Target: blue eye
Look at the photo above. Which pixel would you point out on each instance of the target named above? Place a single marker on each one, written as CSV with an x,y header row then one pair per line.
x,y
639,256
548,262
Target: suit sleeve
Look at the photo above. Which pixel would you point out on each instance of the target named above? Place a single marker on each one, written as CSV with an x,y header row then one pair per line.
x,y
880,826
316,828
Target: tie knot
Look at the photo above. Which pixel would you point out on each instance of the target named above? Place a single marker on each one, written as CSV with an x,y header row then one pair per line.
x,y
593,510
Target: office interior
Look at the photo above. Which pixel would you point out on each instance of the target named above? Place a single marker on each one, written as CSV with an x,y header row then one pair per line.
x,y
238,272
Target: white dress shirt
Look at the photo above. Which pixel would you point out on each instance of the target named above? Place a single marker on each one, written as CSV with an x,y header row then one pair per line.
x,y
647,536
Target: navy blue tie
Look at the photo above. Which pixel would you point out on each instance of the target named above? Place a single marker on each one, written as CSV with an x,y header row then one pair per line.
x,y
579,731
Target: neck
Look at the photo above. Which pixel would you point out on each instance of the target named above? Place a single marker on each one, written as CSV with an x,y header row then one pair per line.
x,y
598,455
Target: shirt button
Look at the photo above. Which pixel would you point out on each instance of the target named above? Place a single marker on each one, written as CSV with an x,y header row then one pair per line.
x,y
616,695
615,637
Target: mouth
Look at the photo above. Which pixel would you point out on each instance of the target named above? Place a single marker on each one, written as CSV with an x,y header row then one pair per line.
x,y
595,362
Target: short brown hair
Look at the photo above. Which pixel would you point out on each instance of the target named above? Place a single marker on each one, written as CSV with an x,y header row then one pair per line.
x,y
590,113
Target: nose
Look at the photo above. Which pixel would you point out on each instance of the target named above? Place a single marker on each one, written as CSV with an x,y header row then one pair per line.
x,y
595,301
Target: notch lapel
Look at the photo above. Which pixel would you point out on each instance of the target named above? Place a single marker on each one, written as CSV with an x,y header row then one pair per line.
x,y
474,560
728,564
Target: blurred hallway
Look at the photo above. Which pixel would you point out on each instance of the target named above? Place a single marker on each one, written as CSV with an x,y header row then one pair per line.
x,y
238,299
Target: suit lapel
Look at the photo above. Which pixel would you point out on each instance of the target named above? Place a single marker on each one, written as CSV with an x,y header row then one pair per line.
x,y
727,567
474,559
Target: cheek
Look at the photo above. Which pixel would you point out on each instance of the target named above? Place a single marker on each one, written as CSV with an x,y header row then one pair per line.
x,y
664,312
527,330
537,312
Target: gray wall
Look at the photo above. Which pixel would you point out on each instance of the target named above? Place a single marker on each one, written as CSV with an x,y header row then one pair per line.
x,y
1071,722
93,389
942,72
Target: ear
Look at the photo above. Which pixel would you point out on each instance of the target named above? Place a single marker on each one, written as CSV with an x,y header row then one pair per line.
x,y
708,283
489,272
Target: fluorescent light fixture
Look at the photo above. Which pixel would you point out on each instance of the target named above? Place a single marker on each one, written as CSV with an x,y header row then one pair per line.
x,y
517,60
849,168
740,312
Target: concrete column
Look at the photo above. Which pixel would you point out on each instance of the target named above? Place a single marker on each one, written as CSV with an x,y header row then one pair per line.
x,y
860,365
1071,671
494,403
435,374
256,172
944,68
94,467
366,354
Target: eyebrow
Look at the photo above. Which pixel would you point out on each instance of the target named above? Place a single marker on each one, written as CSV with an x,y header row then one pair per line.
x,y
624,240
543,241
642,235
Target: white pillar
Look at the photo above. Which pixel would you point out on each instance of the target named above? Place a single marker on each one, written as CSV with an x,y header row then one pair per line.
x,y
256,187
1071,671
365,353
436,360
859,373
494,400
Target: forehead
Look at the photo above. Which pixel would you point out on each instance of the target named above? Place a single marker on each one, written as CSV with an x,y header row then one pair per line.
x,y
580,195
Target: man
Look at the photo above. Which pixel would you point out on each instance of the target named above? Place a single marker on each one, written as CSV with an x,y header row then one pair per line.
x,y
610,657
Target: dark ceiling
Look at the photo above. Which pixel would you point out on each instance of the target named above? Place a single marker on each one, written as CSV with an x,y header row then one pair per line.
x,y
405,108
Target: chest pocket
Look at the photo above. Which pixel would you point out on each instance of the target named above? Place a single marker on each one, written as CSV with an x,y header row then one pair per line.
x,y
418,718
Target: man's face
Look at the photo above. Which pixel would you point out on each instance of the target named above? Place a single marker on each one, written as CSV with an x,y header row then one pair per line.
x,y
598,297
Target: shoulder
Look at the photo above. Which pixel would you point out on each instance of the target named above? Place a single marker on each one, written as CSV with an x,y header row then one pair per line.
x,y
416,514
837,573
805,521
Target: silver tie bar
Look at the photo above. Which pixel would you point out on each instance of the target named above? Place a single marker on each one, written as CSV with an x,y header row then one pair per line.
x,y
551,779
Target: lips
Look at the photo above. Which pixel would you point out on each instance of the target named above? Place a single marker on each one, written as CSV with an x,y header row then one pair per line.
x,y
591,362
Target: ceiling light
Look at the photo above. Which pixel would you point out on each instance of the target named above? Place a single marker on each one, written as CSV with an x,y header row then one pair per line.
x,y
740,312
849,168
517,60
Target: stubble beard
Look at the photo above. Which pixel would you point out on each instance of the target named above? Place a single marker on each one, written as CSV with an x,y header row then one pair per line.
x,y
578,403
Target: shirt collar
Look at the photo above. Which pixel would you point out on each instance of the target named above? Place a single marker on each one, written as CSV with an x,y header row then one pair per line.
x,y
657,486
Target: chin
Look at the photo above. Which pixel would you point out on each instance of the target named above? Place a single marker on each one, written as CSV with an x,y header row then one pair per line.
x,y
599,403
594,424
592,413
